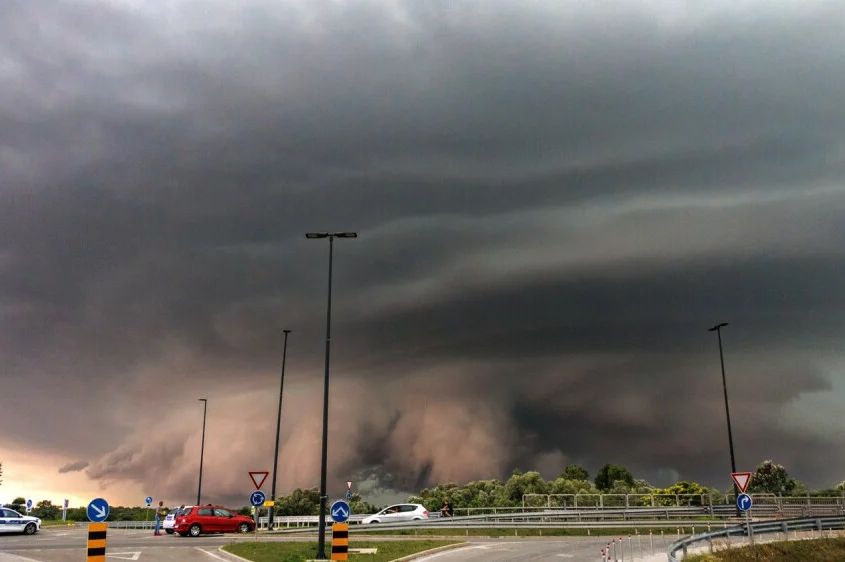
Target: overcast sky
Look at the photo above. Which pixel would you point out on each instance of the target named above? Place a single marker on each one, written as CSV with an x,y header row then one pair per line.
x,y
555,200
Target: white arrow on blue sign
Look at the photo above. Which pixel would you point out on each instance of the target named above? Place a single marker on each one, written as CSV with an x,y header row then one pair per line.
x,y
257,498
743,502
340,511
148,500
98,510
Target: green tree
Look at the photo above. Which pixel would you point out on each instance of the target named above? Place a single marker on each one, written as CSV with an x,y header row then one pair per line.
x,y
46,510
575,472
520,484
299,502
18,504
772,478
610,474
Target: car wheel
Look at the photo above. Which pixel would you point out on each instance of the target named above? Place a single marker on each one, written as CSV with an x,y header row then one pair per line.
x,y
29,529
195,530
169,531
243,528
417,519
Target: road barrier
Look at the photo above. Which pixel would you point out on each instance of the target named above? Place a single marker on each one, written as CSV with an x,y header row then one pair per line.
x,y
785,526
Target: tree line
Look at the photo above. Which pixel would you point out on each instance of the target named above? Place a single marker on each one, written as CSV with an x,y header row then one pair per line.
x,y
769,477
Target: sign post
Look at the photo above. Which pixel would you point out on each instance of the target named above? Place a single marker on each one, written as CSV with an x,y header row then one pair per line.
x,y
258,477
742,480
743,500
148,501
256,499
98,511
340,530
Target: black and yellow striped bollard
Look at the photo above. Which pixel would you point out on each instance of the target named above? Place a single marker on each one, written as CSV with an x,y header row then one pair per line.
x,y
97,542
340,541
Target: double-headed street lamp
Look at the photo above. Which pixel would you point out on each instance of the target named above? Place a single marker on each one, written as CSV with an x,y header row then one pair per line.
x,y
202,447
321,539
278,426
718,329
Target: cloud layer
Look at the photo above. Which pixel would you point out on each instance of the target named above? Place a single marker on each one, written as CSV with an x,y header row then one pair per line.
x,y
554,202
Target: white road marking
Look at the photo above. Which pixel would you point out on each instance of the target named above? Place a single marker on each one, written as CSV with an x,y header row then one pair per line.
x,y
8,557
134,555
217,556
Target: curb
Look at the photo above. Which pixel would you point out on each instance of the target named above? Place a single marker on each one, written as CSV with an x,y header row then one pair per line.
x,y
403,559
235,556
430,551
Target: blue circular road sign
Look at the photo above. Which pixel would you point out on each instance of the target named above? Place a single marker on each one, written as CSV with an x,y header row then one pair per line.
x,y
29,504
340,511
98,510
148,500
257,498
743,502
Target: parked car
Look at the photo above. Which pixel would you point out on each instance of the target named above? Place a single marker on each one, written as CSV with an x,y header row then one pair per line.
x,y
170,520
398,513
13,522
204,519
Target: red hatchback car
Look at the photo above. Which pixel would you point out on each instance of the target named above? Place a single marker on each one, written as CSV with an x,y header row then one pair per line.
x,y
197,520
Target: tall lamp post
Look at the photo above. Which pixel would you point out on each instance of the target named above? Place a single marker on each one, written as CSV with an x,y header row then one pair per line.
x,y
202,447
321,539
718,329
278,426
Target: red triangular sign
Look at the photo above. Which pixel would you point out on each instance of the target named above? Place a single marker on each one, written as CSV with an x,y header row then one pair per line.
x,y
255,475
742,480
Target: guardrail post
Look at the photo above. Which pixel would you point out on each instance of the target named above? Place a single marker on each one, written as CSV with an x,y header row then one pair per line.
x,y
601,500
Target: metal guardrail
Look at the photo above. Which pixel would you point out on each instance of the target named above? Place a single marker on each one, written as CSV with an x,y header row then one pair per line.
x,y
583,500
758,528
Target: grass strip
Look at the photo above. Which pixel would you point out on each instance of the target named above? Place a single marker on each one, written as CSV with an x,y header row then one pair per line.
x,y
817,550
299,551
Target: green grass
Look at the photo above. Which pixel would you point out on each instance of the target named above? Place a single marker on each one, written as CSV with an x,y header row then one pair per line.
x,y
56,523
299,551
525,532
819,550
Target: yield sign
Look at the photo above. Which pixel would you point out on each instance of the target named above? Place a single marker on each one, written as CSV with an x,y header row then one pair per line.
x,y
742,480
258,477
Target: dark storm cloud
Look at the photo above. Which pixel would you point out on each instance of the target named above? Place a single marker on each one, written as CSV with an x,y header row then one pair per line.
x,y
554,204
73,467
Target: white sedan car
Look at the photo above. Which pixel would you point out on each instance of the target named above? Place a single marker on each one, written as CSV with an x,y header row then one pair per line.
x,y
170,520
398,513
13,522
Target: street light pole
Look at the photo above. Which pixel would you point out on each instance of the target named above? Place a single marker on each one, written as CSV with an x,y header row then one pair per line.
x,y
321,538
278,426
718,329
202,447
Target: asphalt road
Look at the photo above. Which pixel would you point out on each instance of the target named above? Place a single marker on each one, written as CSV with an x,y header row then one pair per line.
x,y
575,549
67,544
